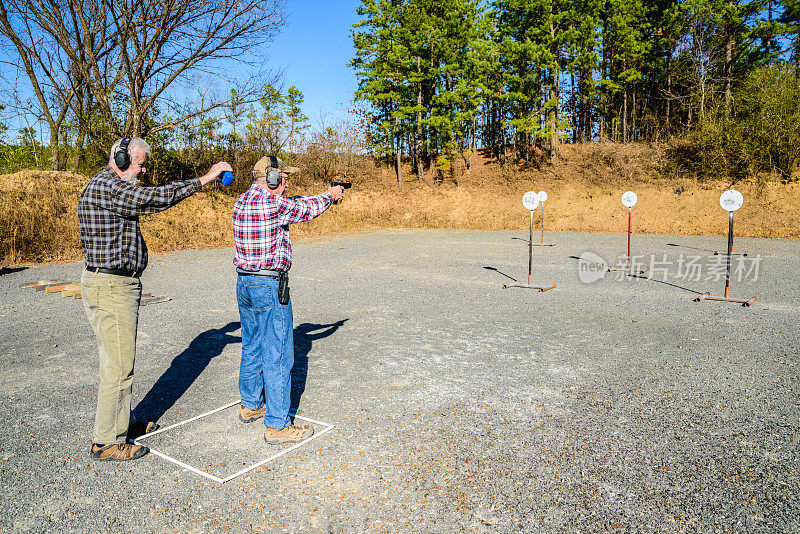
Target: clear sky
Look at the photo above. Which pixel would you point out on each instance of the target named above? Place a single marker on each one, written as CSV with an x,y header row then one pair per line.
x,y
314,48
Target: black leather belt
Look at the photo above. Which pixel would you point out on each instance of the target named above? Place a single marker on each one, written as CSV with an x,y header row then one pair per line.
x,y
117,272
262,272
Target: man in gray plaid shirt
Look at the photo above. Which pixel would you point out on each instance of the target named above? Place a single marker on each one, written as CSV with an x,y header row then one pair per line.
x,y
115,256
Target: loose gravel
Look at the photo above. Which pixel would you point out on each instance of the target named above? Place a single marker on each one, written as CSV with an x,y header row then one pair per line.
x,y
614,406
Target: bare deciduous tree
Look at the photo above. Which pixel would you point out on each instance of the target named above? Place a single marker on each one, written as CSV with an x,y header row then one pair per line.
x,y
51,75
127,58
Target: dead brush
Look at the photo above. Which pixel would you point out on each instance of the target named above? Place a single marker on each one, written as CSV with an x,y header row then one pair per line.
x,y
38,216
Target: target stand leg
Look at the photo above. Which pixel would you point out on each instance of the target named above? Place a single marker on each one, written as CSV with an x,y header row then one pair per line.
x,y
727,297
542,243
629,265
718,253
529,286
708,296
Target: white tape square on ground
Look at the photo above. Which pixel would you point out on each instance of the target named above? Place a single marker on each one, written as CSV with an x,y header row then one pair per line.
x,y
138,441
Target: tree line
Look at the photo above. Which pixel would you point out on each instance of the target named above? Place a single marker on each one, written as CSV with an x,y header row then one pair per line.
x,y
440,79
517,78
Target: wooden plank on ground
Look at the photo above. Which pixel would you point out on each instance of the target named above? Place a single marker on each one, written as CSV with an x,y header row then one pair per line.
x,y
43,287
71,290
34,283
58,288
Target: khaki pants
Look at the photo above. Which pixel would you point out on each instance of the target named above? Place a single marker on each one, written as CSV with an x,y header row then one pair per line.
x,y
112,306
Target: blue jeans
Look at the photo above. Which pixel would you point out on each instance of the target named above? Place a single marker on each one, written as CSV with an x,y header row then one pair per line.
x,y
265,373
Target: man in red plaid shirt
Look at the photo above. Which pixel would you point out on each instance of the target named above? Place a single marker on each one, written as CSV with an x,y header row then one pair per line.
x,y
261,219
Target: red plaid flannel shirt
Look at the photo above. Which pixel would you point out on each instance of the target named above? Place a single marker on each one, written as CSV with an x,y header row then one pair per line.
x,y
261,226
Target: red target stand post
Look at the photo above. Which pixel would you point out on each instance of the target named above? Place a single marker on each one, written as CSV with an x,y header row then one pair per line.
x,y
542,198
629,201
530,200
731,200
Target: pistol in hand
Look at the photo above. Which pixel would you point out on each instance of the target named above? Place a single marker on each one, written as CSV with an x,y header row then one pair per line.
x,y
344,185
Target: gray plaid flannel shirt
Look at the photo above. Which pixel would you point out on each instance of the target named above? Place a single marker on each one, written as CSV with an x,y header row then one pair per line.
x,y
108,213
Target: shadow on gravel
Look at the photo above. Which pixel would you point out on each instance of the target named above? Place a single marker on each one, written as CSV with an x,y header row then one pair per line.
x,y
650,279
184,370
714,252
304,336
9,270
690,247
499,272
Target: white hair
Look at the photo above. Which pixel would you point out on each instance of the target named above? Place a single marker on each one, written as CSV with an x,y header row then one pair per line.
x,y
137,143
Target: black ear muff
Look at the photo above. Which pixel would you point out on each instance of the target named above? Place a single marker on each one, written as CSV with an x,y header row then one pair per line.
x,y
273,178
122,158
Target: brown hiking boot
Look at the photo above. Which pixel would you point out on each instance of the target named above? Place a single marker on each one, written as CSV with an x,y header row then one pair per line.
x,y
290,433
118,452
246,415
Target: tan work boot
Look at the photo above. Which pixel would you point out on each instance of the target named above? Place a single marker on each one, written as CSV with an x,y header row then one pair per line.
x,y
290,433
118,452
246,415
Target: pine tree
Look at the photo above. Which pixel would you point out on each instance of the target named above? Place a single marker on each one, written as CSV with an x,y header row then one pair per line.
x,y
380,61
790,27
583,45
412,59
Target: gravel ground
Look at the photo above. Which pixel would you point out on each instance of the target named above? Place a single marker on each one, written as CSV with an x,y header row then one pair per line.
x,y
614,406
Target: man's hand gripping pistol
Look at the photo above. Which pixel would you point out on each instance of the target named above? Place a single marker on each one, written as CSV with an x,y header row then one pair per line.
x,y
344,185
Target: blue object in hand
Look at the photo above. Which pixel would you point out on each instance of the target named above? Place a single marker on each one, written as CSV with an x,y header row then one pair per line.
x,y
227,178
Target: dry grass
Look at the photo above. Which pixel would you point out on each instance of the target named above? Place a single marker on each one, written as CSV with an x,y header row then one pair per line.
x,y
38,216
571,206
38,220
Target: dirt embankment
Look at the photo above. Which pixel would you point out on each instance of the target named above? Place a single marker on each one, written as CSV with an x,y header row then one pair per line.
x,y
38,219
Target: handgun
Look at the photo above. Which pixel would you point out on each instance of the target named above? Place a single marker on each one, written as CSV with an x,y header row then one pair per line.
x,y
345,185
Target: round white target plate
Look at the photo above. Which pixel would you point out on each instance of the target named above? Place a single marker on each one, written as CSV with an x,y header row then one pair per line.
x,y
542,196
629,199
530,200
731,200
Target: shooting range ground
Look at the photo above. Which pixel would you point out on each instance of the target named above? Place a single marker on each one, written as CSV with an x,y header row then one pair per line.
x,y
615,406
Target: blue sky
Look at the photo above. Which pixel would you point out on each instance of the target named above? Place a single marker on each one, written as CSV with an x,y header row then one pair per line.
x,y
314,47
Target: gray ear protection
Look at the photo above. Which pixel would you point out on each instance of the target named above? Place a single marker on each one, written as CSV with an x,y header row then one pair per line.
x,y
273,178
122,158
